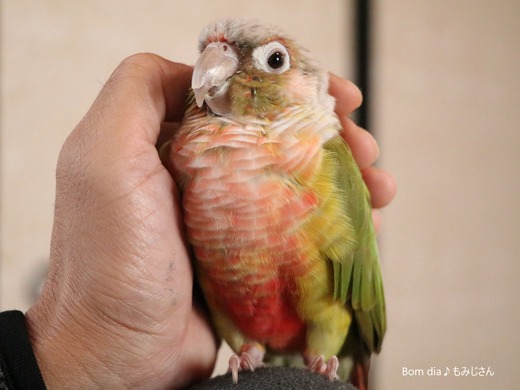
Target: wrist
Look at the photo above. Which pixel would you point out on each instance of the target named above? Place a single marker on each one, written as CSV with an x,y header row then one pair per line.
x,y
64,361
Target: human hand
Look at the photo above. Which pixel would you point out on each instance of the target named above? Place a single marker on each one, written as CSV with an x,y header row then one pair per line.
x,y
117,309
381,184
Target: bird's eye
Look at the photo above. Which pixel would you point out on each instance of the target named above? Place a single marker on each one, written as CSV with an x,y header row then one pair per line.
x,y
272,58
276,60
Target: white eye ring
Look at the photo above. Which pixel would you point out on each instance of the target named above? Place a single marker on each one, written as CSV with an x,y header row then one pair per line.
x,y
272,58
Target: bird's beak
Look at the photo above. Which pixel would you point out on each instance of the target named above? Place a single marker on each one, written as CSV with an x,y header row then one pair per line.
x,y
215,66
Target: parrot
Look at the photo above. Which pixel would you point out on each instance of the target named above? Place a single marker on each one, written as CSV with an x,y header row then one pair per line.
x,y
275,208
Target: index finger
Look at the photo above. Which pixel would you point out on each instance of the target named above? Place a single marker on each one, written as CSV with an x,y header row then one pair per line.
x,y
144,91
347,94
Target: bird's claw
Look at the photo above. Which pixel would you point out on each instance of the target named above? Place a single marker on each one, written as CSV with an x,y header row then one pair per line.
x,y
329,369
242,362
251,357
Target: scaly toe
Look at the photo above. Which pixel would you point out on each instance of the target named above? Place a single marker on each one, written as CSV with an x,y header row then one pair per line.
x,y
329,369
234,365
317,365
332,368
243,362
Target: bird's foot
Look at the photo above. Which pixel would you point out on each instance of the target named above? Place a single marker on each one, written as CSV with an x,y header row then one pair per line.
x,y
251,357
329,369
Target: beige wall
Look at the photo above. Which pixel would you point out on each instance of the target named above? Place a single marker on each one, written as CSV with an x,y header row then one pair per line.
x,y
448,119
446,90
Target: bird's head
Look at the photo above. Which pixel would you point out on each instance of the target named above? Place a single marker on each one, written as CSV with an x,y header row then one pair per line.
x,y
250,68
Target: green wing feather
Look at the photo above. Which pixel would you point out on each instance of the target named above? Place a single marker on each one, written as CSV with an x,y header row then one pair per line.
x,y
357,276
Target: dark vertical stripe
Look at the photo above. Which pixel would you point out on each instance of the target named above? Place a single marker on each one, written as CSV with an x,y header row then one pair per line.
x,y
362,47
